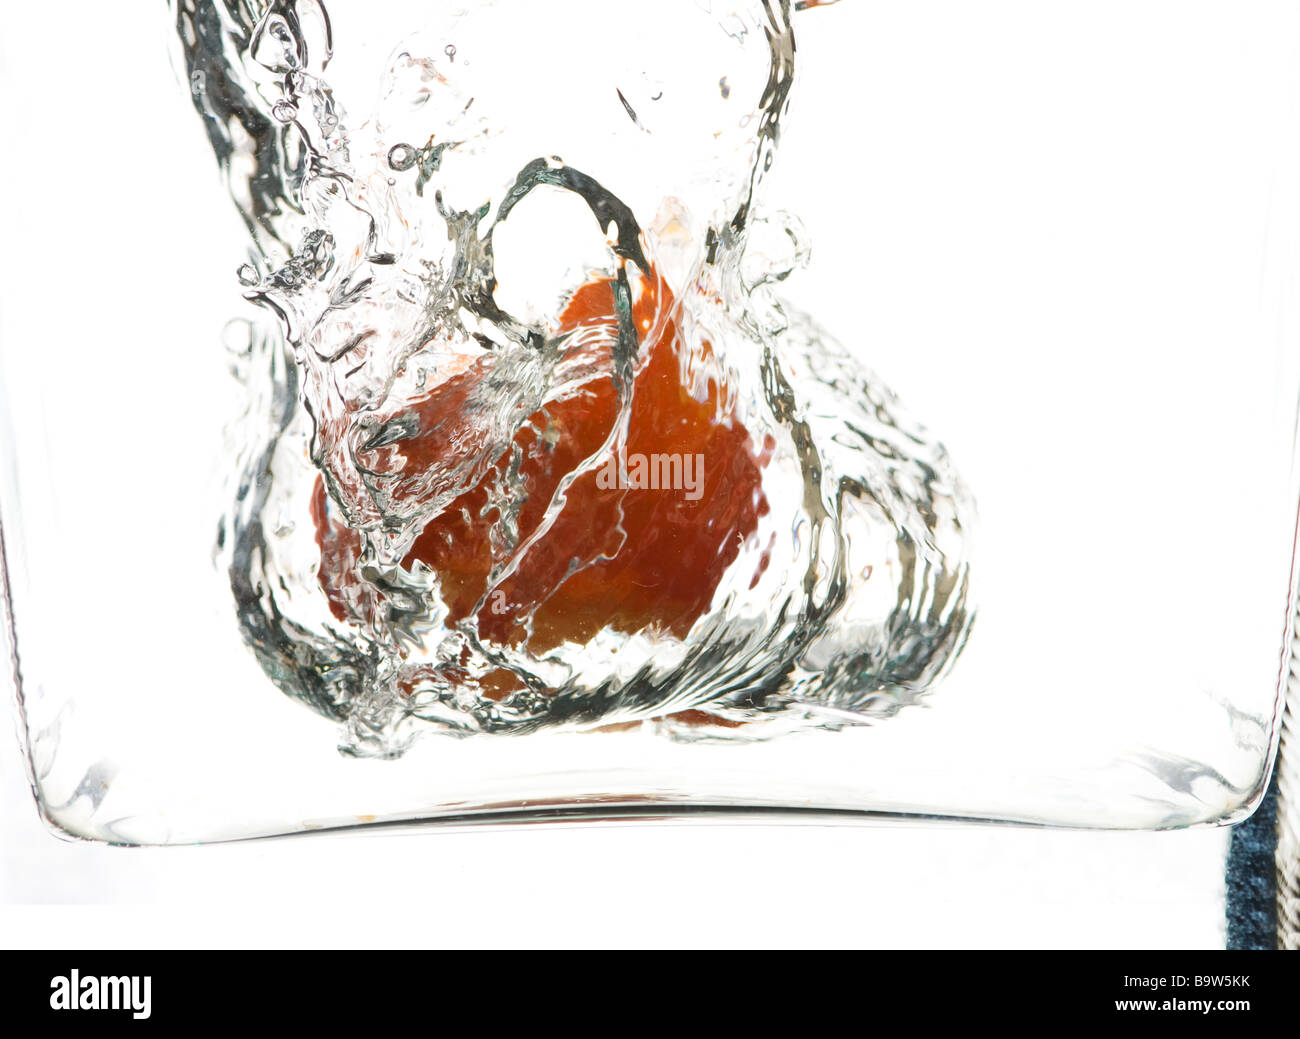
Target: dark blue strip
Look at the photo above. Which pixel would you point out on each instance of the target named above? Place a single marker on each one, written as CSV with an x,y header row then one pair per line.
x,y
1252,878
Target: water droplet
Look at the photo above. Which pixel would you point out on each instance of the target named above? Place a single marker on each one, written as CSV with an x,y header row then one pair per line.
x,y
450,51
247,274
725,87
284,111
775,247
273,45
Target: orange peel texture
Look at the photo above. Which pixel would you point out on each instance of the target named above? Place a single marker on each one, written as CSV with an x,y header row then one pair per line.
x,y
626,557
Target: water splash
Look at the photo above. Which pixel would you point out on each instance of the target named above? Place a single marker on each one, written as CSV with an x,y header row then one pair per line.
x,y
530,441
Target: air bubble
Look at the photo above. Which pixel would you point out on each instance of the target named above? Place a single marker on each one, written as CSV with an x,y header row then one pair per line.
x,y
402,156
237,337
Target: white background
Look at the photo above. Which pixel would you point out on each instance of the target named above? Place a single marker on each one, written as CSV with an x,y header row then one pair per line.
x,y
751,885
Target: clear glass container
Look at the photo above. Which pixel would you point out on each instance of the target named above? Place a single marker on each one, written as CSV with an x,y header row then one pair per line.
x,y
1060,594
